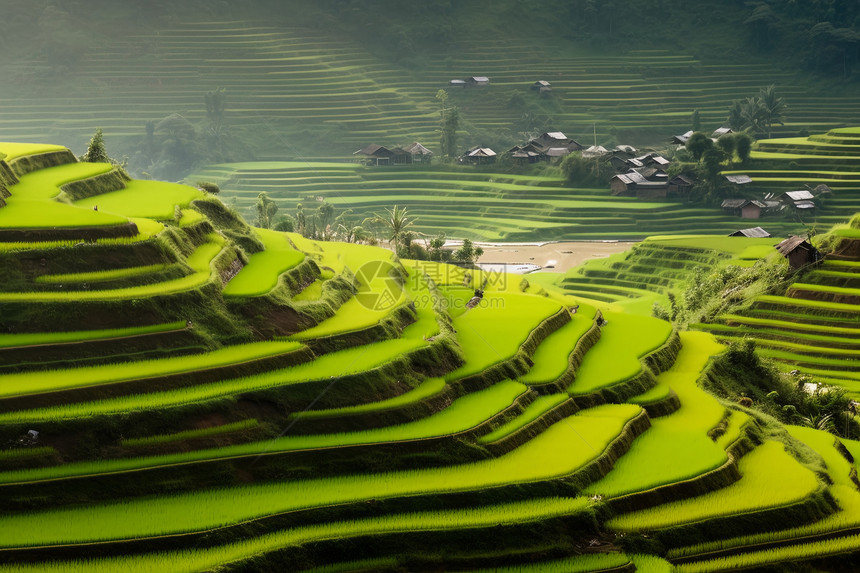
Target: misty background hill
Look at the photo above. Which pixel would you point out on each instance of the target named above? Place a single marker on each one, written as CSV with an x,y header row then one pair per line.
x,y
179,85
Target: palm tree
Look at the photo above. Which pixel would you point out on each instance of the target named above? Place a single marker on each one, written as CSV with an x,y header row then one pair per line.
x,y
751,111
772,107
398,222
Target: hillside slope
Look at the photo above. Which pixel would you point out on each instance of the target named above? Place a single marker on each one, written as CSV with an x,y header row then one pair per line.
x,y
207,396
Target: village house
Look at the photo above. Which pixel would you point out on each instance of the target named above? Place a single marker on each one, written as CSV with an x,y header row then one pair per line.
x,y
547,146
478,156
643,183
680,185
416,153
542,86
718,133
682,139
803,200
475,81
744,208
376,154
457,83
799,252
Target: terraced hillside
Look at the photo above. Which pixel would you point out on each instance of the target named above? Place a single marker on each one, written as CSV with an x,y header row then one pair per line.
x,y
831,159
303,93
207,396
487,206
813,326
647,273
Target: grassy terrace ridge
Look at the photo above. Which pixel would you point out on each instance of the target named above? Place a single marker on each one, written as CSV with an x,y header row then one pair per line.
x,y
342,363
38,382
43,338
579,438
650,463
462,415
200,262
263,270
760,469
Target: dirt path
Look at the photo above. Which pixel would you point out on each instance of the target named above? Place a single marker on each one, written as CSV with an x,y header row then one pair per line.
x,y
566,255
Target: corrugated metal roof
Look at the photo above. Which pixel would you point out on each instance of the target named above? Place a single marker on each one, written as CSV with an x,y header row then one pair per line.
x,y
739,179
755,232
555,135
803,195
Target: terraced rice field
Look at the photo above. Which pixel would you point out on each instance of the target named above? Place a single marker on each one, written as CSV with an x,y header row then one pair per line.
x,y
487,206
646,274
814,326
287,83
320,430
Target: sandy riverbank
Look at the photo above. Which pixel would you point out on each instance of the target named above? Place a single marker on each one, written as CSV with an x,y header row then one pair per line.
x,y
566,255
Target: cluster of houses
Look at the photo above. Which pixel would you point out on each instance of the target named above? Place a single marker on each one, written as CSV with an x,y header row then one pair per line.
x,y
642,176
549,146
775,203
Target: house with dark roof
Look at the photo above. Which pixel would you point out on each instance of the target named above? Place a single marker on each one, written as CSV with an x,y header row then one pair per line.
x,y
744,208
478,156
681,139
753,233
643,183
799,252
376,154
418,153
542,86
680,185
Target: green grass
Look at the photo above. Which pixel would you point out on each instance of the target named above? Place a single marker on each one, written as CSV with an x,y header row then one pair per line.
x,y
760,470
41,338
101,276
150,199
623,341
428,388
199,262
552,358
780,555
204,559
335,364
494,330
560,450
463,414
190,434
263,270
13,151
532,412
676,447
36,382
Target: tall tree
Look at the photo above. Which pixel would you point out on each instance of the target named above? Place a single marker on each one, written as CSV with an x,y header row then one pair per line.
x,y
398,222
449,124
96,152
698,144
772,107
743,146
266,210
